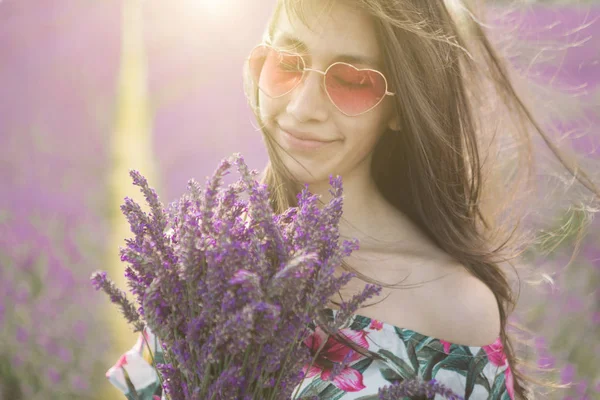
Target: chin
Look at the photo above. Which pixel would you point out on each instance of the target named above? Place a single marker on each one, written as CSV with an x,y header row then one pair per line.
x,y
310,172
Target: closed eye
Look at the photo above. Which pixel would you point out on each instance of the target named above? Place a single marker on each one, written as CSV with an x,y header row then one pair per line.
x,y
290,66
364,82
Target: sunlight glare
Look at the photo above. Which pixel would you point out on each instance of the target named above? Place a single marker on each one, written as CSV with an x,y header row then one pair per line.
x,y
210,7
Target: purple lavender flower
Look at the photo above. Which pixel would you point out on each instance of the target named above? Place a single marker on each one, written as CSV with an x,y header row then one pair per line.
x,y
229,287
416,387
45,347
117,296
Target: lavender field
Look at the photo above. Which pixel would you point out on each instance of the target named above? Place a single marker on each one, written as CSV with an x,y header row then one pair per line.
x,y
85,97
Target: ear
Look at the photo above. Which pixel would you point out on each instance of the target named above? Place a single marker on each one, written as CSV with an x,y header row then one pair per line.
x,y
394,123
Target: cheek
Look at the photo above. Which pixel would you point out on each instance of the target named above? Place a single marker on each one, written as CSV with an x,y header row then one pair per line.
x,y
269,108
363,134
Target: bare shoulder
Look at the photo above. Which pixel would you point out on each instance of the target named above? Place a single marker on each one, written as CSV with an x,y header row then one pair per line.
x,y
463,309
440,298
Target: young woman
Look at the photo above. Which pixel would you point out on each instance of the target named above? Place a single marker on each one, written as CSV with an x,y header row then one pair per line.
x,y
392,95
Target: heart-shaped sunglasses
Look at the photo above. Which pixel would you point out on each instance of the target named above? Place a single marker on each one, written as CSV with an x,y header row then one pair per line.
x,y
353,91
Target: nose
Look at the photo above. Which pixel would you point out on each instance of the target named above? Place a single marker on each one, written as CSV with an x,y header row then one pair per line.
x,y
309,100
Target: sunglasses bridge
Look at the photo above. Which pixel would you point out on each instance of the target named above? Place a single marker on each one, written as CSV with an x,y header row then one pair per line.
x,y
316,70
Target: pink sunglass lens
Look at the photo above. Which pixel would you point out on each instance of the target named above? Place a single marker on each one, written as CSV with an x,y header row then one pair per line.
x,y
276,73
352,90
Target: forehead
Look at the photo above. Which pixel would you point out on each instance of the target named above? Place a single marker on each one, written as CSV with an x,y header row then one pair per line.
x,y
326,34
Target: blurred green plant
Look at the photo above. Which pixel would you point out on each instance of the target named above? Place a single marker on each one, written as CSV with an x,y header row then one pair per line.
x,y
562,308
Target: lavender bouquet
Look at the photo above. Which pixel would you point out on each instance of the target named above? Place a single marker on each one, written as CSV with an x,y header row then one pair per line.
x,y
230,288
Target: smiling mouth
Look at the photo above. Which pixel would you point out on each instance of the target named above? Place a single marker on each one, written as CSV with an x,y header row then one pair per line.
x,y
295,142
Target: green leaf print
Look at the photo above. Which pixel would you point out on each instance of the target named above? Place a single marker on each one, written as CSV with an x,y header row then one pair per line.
x,y
369,397
482,380
329,314
400,366
431,360
159,358
412,355
463,351
158,355
475,368
421,342
360,323
454,362
315,387
390,375
407,335
362,365
331,392
498,388
326,389
146,393
132,394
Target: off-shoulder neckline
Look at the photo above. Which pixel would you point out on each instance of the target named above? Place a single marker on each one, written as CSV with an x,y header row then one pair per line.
x,y
411,333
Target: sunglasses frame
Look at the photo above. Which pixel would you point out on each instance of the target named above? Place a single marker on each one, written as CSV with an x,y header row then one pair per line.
x,y
324,73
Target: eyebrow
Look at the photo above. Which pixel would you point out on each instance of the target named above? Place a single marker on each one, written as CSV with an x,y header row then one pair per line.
x,y
288,39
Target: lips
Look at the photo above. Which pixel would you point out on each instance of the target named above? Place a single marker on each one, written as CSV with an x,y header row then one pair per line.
x,y
300,140
305,136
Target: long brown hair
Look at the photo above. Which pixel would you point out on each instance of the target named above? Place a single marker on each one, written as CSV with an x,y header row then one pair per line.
x,y
441,168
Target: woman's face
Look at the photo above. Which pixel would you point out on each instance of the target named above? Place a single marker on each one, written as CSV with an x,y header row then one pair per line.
x,y
340,144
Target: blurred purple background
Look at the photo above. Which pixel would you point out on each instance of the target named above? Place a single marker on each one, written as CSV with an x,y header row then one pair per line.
x,y
59,66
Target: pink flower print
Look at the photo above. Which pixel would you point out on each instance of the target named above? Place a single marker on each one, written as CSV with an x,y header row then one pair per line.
x,y
122,361
376,325
119,365
495,353
446,346
349,379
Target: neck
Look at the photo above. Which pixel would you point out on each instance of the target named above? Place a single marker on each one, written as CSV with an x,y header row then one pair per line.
x,y
362,201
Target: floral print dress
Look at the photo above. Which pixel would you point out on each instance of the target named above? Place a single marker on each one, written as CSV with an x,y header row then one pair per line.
x,y
475,373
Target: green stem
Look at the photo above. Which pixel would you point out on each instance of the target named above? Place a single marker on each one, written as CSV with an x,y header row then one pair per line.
x,y
153,362
206,377
246,356
254,372
310,366
282,368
